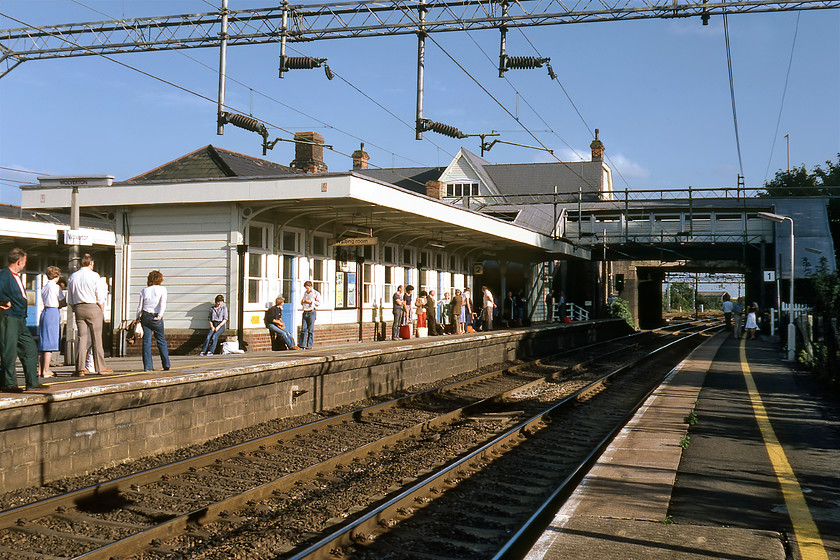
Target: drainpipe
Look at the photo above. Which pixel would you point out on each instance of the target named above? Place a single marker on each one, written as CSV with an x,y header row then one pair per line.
x,y
241,250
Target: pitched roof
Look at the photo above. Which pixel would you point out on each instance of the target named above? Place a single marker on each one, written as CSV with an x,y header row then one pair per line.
x,y
541,178
211,161
409,178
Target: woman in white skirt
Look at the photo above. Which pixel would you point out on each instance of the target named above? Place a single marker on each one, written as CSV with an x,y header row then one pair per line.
x,y
752,325
48,326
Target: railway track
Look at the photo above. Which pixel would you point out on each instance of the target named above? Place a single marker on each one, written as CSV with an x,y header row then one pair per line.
x,y
273,495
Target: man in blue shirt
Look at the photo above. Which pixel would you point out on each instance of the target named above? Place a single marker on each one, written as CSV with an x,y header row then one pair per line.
x,y
15,338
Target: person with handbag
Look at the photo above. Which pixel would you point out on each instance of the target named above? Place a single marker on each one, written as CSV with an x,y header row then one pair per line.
x,y
218,318
274,323
398,300
150,310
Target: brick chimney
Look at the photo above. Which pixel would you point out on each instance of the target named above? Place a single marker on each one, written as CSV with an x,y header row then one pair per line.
x,y
360,158
309,152
597,148
434,189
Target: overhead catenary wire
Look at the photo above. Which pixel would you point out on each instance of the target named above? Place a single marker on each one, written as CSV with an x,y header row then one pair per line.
x,y
514,117
732,93
784,93
200,95
556,78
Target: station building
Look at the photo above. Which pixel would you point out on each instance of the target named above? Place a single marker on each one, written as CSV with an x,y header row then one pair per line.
x,y
217,222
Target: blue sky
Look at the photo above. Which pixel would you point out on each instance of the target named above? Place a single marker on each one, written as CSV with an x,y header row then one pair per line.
x,y
658,90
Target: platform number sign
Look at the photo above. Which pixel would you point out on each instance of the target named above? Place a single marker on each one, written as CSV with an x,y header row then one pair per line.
x,y
769,275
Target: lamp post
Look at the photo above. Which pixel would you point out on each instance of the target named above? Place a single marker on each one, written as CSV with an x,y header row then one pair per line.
x,y
791,334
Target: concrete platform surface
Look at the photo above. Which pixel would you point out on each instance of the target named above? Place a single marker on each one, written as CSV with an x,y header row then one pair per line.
x,y
623,507
625,539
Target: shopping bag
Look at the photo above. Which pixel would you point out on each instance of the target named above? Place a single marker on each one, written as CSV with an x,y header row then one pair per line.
x,y
405,331
422,331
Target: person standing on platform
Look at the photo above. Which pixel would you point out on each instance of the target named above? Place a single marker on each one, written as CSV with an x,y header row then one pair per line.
x,y
445,311
84,294
431,308
409,305
561,307
310,302
738,317
752,324
218,318
150,310
488,304
274,323
398,300
727,311
507,310
15,339
49,331
457,307
469,311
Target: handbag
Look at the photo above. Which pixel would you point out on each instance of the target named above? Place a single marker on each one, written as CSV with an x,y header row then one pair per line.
x,y
135,331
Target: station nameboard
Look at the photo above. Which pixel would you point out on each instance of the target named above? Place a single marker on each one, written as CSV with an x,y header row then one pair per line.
x,y
76,237
356,241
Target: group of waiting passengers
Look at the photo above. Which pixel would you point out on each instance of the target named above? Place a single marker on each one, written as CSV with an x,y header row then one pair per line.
x,y
734,313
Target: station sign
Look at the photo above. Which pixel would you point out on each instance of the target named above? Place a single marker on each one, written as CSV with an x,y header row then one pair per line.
x,y
356,242
769,275
77,237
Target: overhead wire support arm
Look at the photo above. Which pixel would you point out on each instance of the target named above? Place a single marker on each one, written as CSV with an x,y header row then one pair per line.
x,y
485,147
367,18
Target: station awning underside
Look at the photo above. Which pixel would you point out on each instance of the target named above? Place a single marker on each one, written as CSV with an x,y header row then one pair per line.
x,y
344,205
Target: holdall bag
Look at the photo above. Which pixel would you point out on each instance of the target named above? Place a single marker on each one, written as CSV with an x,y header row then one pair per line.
x,y
405,331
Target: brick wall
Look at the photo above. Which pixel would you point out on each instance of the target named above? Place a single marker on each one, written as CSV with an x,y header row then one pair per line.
x,y
183,342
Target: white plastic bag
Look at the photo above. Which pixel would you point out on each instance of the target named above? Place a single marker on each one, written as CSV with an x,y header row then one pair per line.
x,y
231,347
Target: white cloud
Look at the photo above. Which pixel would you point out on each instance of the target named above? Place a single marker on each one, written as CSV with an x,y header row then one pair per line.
x,y
628,169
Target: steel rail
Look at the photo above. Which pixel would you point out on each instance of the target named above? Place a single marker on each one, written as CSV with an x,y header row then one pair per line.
x,y
379,518
144,539
524,537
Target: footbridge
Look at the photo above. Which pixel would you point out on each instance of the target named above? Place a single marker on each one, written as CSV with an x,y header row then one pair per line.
x,y
636,237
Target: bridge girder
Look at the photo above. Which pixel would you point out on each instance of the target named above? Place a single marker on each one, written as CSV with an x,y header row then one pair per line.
x,y
343,21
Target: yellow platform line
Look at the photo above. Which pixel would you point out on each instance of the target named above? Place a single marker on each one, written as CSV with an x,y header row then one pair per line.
x,y
807,535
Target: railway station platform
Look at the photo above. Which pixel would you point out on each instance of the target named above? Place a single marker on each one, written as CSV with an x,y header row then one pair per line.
x,y
78,424
757,478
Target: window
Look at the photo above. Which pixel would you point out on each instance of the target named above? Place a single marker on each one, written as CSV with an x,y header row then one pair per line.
x,y
367,273
259,246
319,277
461,189
390,275
390,254
425,259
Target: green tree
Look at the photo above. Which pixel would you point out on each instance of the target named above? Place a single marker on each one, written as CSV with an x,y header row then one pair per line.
x,y
819,182
826,305
682,297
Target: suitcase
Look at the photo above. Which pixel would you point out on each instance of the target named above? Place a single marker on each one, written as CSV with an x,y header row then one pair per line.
x,y
405,331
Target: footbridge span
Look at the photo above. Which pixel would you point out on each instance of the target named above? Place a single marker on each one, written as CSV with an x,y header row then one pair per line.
x,y
637,236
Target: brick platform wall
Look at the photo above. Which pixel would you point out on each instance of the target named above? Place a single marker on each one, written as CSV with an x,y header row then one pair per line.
x,y
75,430
185,342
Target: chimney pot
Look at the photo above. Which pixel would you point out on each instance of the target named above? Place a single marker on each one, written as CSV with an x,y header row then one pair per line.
x,y
309,152
597,148
360,158
434,189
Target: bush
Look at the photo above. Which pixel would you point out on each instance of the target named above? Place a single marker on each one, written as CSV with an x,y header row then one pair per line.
x,y
621,310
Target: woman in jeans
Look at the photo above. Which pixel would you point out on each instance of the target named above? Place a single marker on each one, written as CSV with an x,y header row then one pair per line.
x,y
150,312
218,319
